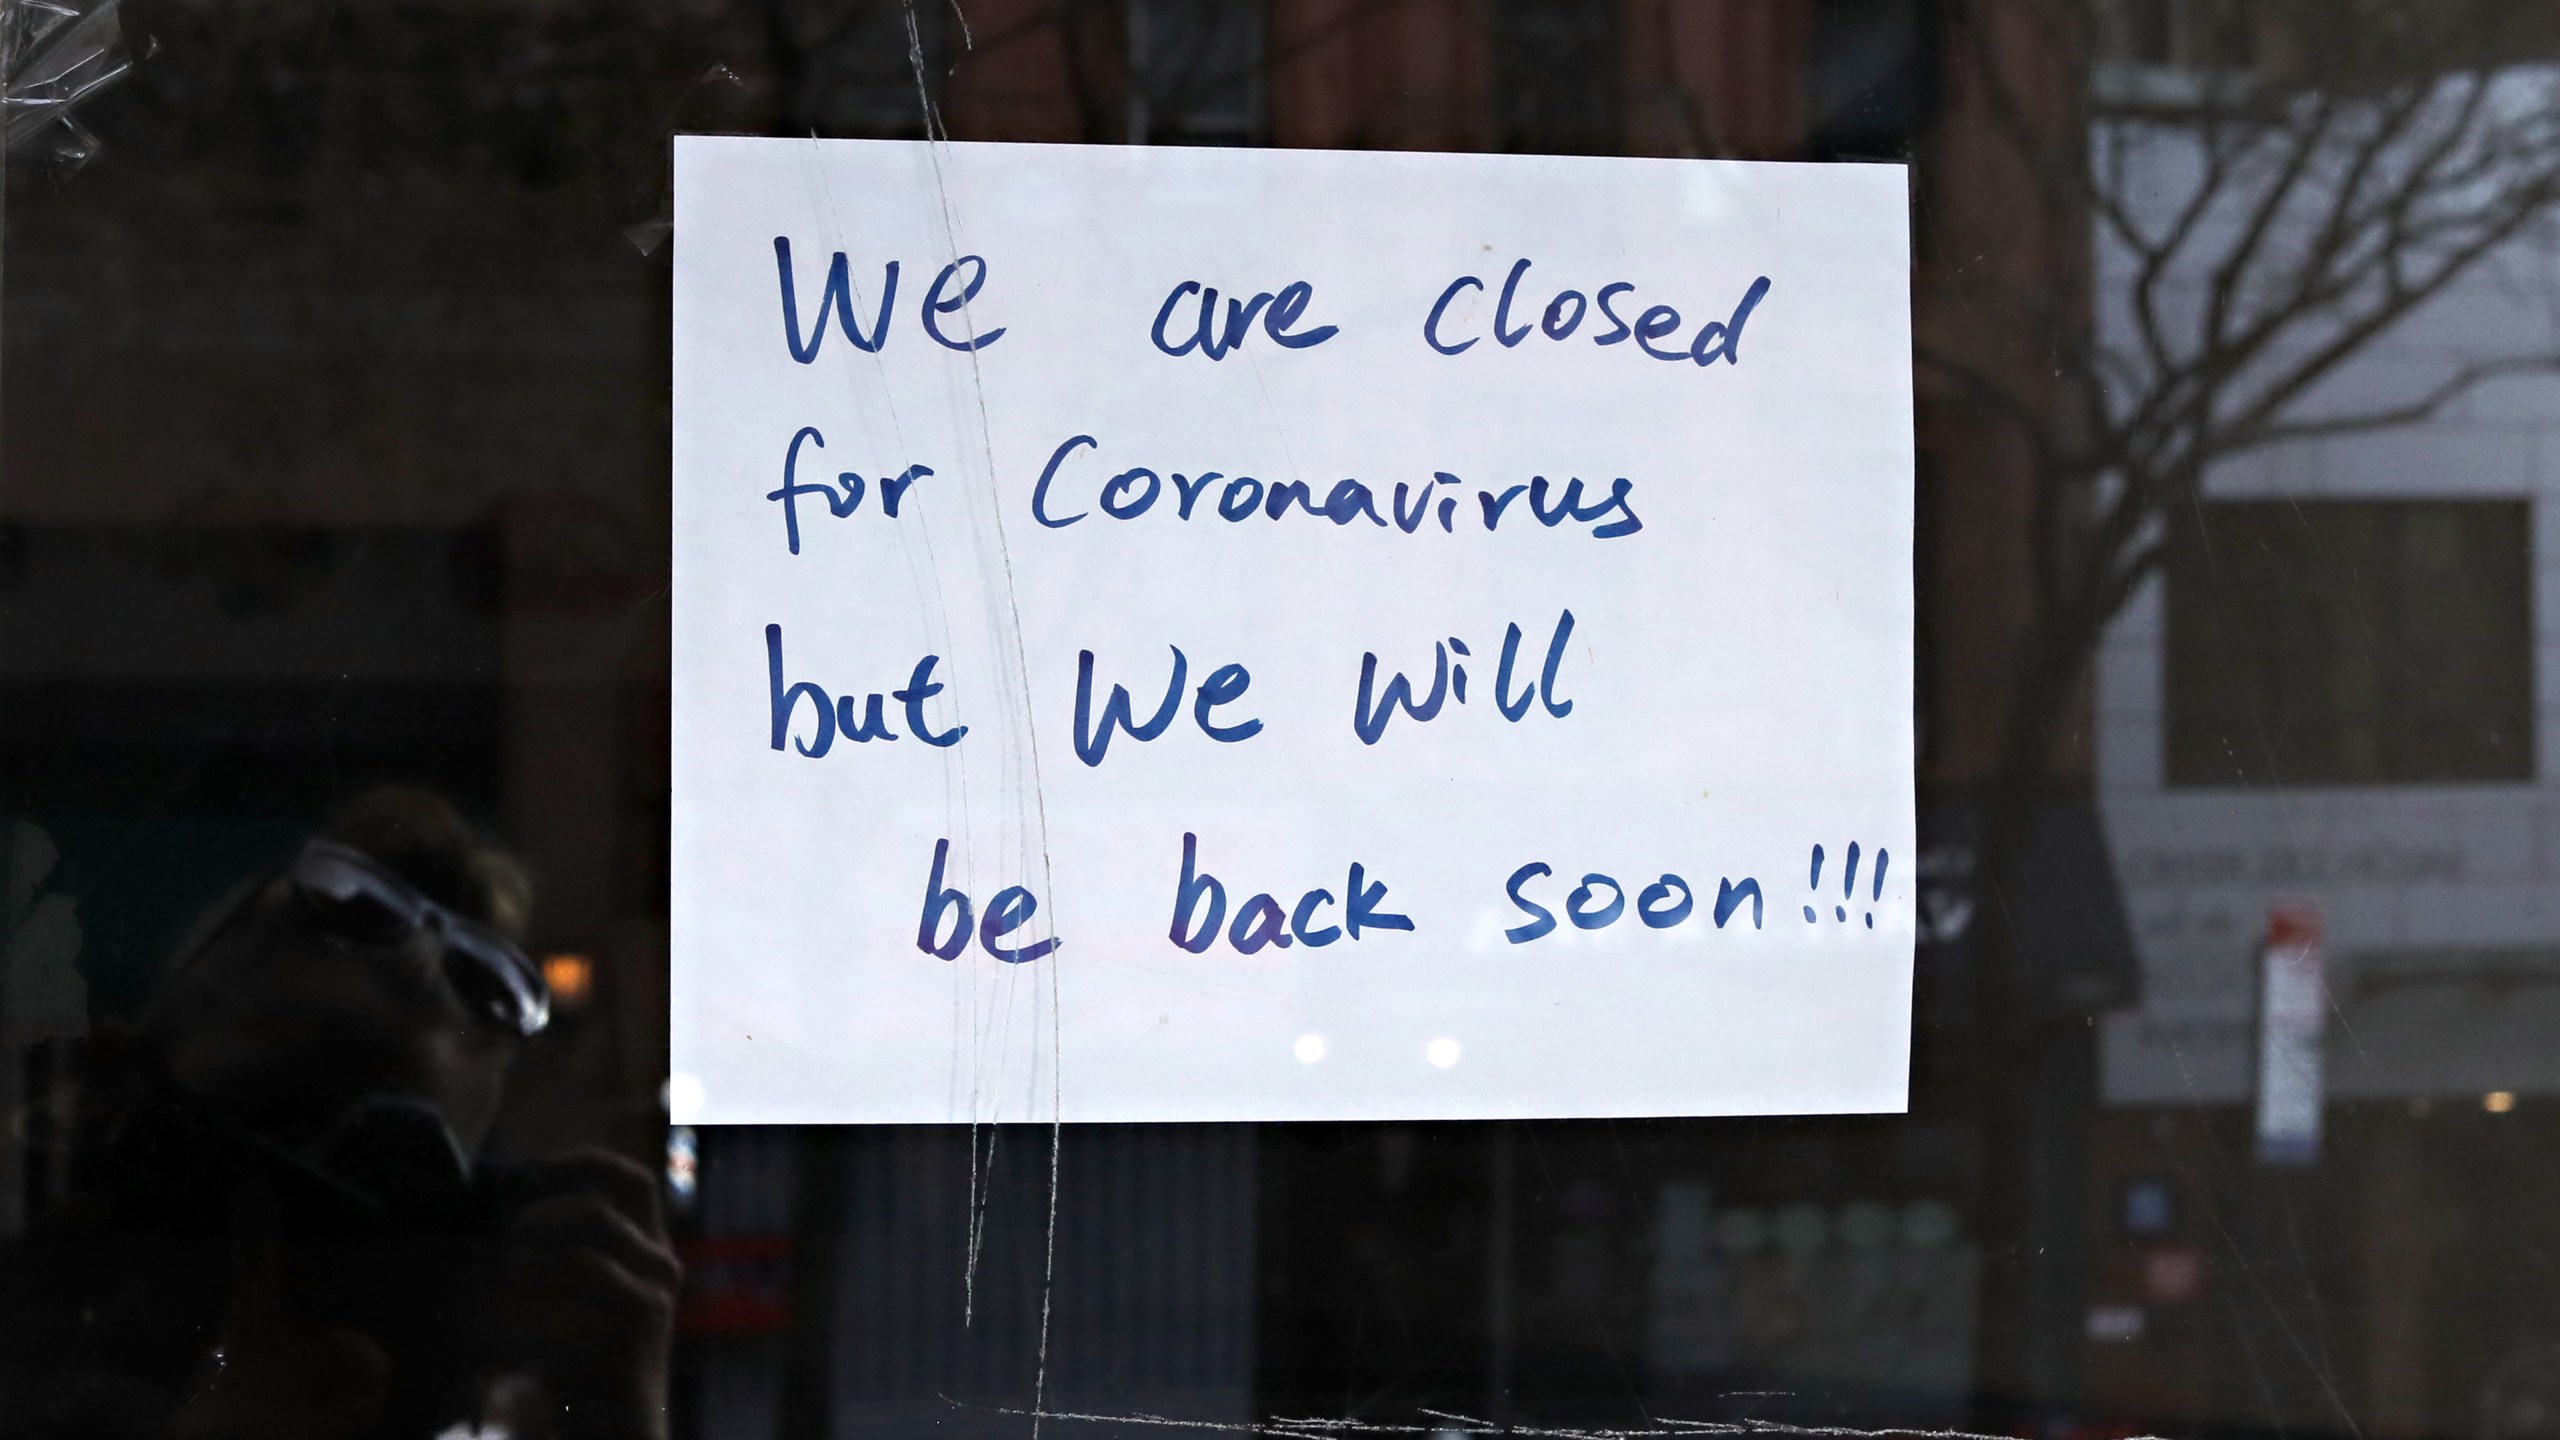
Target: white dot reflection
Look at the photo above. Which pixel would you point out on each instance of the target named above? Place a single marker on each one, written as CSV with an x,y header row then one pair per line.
x,y
1309,1049
1442,1052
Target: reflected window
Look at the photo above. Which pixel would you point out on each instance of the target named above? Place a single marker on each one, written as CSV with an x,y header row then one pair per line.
x,y
2358,642
861,69
1198,71
1557,66
1874,79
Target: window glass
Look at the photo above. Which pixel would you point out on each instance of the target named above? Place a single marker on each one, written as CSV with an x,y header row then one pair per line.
x,y
340,722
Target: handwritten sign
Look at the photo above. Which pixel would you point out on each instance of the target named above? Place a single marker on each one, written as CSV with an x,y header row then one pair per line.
x,y
1251,635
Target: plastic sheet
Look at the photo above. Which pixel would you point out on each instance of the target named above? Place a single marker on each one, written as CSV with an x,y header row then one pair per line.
x,y
55,54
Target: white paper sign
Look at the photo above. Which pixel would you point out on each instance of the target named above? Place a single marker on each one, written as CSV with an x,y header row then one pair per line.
x,y
1177,634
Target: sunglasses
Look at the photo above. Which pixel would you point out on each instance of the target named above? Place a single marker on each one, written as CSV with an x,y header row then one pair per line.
x,y
353,896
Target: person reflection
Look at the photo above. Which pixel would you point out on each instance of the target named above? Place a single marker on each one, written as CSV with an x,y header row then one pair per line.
x,y
282,1224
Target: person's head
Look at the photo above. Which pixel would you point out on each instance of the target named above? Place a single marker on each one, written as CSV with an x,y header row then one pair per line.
x,y
378,961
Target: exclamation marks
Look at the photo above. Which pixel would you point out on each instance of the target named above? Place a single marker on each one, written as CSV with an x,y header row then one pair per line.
x,y
1848,886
